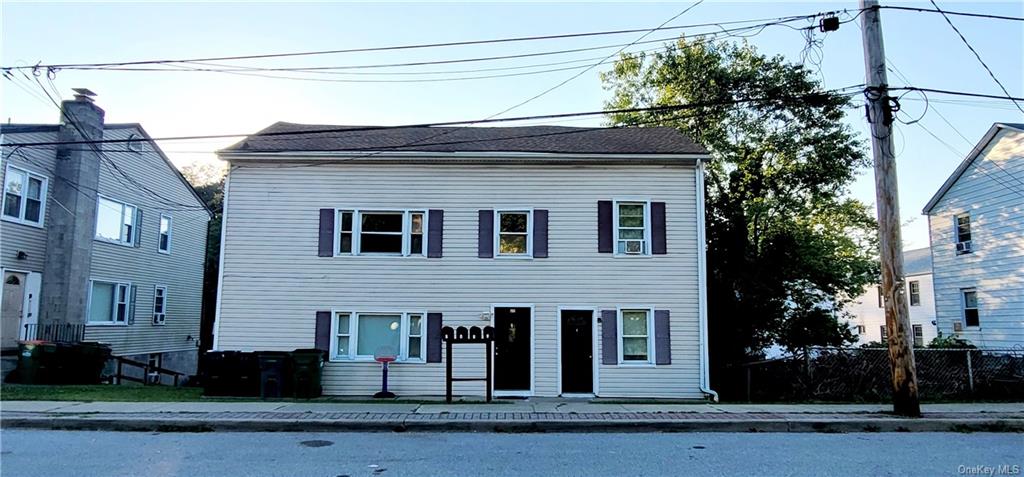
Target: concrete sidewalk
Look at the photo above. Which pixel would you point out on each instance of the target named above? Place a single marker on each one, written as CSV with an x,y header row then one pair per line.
x,y
534,415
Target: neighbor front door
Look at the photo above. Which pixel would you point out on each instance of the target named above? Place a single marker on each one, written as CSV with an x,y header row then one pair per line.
x,y
577,352
512,349
13,308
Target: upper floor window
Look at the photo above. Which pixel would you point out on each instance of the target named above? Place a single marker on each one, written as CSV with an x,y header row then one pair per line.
x,y
116,221
513,233
381,232
108,302
164,243
962,224
970,307
915,293
632,233
24,196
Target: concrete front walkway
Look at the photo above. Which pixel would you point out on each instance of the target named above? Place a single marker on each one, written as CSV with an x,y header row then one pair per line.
x,y
528,415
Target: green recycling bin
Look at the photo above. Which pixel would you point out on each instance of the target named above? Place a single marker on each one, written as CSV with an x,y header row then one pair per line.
x,y
307,372
30,362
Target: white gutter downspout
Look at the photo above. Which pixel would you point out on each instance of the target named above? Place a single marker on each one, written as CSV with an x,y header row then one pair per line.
x,y
702,293
220,263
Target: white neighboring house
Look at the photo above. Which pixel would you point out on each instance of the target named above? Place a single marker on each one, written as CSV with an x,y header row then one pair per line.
x,y
583,247
869,315
976,223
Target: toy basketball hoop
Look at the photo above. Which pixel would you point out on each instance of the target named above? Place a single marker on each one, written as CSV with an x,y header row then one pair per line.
x,y
384,355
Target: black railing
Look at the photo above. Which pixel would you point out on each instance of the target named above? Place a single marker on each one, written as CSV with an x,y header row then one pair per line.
x,y
55,332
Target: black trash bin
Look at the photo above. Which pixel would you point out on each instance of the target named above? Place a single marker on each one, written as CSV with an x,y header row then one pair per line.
x,y
307,372
85,361
273,373
246,374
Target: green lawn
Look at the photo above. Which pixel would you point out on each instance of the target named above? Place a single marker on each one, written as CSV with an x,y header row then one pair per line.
x,y
97,392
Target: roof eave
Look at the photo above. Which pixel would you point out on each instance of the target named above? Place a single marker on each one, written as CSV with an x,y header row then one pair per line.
x,y
462,157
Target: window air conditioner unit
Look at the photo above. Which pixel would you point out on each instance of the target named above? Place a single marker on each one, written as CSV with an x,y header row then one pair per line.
x,y
634,247
963,247
958,327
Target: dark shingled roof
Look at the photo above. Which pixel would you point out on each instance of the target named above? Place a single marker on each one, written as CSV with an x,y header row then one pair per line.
x,y
544,139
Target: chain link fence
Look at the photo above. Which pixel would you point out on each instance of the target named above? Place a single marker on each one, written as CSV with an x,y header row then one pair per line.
x,y
864,375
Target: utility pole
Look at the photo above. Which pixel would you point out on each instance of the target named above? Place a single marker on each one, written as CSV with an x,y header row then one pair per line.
x,y
897,316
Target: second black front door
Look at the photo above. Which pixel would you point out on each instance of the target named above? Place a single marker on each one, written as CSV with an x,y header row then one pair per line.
x,y
512,349
577,352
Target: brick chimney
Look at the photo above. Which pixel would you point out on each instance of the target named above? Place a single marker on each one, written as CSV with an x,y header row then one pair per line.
x,y
71,225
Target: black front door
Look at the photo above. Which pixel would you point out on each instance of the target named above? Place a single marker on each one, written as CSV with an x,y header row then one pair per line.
x,y
577,352
512,349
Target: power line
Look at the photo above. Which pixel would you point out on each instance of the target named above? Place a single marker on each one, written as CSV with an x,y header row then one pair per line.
x,y
955,93
948,12
976,55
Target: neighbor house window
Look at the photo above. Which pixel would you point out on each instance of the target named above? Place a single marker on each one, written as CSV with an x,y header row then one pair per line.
x,y
885,336
116,221
962,225
881,301
24,196
386,232
165,234
159,305
861,329
361,336
918,335
635,336
631,228
513,233
915,293
970,306
108,302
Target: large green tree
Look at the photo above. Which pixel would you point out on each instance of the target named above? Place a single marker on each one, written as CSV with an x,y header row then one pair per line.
x,y
787,247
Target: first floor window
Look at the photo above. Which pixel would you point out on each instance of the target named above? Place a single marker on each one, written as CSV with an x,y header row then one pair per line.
x,y
115,221
915,293
24,196
636,336
631,228
387,232
363,336
159,305
513,233
881,301
918,335
108,302
861,329
970,307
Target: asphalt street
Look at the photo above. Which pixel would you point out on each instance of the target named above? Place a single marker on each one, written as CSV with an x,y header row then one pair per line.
x,y
90,453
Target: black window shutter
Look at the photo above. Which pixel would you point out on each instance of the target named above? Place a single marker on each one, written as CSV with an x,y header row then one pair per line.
x,y
433,337
485,233
659,242
326,248
609,337
540,233
435,233
662,338
137,239
133,293
604,226
322,340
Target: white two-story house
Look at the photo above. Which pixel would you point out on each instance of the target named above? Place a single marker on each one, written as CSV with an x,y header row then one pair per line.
x,y
101,239
583,247
976,220
868,313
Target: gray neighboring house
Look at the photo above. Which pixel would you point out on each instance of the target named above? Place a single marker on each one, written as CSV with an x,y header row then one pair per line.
x,y
976,223
102,247
583,247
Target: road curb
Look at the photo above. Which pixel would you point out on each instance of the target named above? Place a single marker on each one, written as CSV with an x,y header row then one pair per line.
x,y
804,425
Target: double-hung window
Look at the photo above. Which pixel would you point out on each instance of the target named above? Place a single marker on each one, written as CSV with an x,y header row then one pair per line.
x,y
884,333
512,235
632,228
116,221
24,197
962,230
364,335
109,302
915,293
918,335
636,343
381,232
970,307
164,240
159,305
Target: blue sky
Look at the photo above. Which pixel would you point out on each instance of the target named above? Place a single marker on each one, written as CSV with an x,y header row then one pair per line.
x,y
920,45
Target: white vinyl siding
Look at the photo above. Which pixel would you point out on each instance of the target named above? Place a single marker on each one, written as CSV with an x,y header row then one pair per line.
x,y
988,190
274,283
868,316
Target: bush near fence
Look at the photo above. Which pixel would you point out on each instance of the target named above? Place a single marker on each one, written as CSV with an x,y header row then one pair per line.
x,y
863,375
